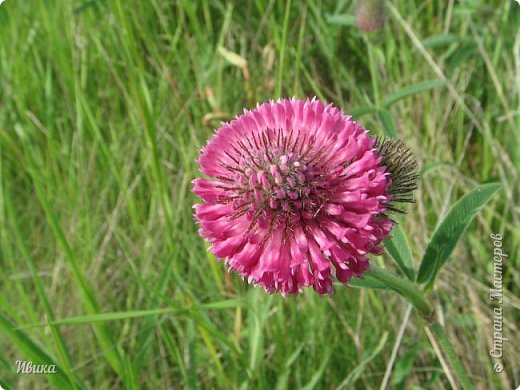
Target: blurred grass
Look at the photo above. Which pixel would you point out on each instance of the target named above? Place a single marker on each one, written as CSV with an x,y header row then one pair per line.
x,y
103,107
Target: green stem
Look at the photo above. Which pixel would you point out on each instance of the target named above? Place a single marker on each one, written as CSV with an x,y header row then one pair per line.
x,y
454,361
283,48
404,287
373,72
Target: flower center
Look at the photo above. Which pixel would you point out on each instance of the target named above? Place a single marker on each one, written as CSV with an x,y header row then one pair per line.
x,y
283,185
277,180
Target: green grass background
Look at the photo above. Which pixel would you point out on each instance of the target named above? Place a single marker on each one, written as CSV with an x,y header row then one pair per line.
x,y
103,108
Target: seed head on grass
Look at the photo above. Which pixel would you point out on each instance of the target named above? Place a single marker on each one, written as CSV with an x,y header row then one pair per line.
x,y
296,191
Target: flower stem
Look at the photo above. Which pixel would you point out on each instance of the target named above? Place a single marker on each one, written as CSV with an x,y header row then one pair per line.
x,y
411,292
405,288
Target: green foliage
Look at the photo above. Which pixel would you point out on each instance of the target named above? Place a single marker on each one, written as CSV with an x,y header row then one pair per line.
x,y
451,229
33,351
397,247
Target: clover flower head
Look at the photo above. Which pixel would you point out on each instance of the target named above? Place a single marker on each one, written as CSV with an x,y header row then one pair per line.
x,y
296,191
370,15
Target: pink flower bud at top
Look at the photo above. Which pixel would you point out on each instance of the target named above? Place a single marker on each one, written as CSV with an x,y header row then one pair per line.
x,y
370,15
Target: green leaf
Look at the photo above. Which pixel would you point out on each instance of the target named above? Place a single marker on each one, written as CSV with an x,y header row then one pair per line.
x,y
105,317
440,40
125,315
451,229
226,304
4,385
412,90
397,247
464,53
